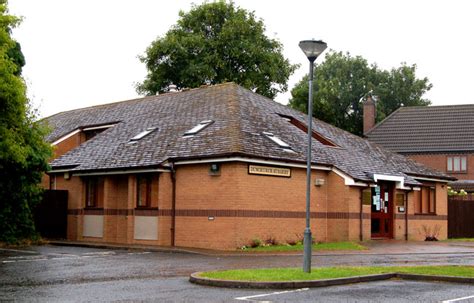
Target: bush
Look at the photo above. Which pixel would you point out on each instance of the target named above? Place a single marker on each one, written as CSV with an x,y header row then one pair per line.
x,y
255,243
270,241
431,234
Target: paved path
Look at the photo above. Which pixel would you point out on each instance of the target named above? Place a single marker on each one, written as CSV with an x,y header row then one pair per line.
x,y
57,274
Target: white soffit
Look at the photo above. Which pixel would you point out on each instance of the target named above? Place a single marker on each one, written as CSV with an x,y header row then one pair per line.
x,y
66,136
348,180
400,181
249,160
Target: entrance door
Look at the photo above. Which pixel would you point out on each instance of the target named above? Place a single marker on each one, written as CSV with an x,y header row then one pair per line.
x,y
382,211
51,214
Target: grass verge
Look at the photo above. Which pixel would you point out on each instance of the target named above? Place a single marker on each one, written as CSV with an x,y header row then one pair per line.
x,y
316,247
460,240
320,273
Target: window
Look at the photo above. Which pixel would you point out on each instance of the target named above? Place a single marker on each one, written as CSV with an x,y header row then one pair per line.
x,y
457,164
425,200
278,141
300,125
144,190
91,132
94,192
198,128
143,134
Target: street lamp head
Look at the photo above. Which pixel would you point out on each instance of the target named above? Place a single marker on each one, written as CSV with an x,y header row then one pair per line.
x,y
312,48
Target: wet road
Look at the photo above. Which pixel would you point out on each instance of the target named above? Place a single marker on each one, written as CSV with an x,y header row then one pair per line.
x,y
59,274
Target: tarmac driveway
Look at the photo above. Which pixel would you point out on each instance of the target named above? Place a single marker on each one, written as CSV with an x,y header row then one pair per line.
x,y
59,273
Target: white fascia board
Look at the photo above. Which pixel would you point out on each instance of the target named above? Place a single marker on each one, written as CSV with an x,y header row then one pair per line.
x,y
79,130
118,172
98,127
400,181
249,160
66,136
348,180
430,179
58,171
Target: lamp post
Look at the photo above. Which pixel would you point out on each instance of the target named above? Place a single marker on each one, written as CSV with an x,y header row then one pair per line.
x,y
312,49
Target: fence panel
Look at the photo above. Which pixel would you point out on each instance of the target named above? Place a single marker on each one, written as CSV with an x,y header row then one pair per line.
x,y
461,216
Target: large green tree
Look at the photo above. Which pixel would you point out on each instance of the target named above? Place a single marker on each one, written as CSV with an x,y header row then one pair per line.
x,y
23,151
215,43
342,82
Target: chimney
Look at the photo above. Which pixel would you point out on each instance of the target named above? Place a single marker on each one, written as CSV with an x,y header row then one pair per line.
x,y
172,88
369,113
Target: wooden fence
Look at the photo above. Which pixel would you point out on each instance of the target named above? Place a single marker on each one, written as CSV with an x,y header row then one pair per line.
x,y
461,216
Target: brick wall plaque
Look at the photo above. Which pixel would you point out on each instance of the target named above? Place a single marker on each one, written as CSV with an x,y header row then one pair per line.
x,y
269,171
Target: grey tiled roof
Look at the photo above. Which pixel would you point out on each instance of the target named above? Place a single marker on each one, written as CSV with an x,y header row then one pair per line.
x,y
467,185
240,116
421,129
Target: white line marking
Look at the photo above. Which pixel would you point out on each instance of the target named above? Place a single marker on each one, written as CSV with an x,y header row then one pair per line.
x,y
457,299
99,253
18,250
250,298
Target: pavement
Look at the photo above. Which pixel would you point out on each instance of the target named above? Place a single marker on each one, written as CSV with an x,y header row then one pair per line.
x,y
82,274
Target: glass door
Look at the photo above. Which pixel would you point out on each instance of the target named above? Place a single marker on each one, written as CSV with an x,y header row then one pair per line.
x,y
382,211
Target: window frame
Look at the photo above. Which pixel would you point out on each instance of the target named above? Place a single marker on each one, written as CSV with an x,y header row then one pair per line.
x,y
275,139
198,128
430,191
148,179
92,192
450,164
142,134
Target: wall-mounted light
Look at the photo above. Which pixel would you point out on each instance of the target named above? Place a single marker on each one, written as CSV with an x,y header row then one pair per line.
x,y
67,176
215,169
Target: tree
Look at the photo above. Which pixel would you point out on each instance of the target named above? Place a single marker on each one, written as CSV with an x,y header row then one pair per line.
x,y
23,151
215,43
342,82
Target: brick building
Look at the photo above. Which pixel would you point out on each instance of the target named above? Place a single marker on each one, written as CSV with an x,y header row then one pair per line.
x,y
217,166
440,137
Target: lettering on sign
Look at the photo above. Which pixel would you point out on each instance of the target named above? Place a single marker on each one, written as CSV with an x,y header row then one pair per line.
x,y
269,171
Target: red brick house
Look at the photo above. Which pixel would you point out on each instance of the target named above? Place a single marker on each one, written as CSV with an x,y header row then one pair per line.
x,y
218,166
440,137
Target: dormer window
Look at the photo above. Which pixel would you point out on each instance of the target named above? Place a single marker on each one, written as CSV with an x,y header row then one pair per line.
x,y
323,140
277,140
143,134
196,129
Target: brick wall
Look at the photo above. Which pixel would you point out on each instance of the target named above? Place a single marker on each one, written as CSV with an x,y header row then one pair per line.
x,y
420,224
66,145
277,203
439,162
229,210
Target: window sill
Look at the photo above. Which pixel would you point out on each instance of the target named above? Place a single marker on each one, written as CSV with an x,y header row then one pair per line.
x,y
146,208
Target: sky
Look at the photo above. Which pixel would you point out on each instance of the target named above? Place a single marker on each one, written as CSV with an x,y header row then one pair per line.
x,y
84,53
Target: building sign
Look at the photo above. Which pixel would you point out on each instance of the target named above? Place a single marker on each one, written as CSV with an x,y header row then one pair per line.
x,y
269,171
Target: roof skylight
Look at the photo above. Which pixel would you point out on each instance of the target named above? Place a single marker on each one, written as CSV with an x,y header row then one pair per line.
x,y
198,128
143,134
277,140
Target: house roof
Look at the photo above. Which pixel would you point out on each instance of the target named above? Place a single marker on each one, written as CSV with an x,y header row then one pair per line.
x,y
420,129
240,118
467,185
